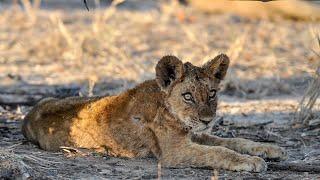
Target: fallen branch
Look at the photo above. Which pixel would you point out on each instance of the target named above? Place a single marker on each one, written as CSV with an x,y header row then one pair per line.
x,y
15,100
292,166
30,94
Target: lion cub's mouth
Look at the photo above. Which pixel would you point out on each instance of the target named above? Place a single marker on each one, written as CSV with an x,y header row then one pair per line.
x,y
208,125
205,122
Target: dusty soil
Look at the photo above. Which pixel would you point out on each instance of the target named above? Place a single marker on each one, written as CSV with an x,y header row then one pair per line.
x,y
63,50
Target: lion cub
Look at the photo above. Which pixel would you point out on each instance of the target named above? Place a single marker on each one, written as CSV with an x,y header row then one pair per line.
x,y
162,117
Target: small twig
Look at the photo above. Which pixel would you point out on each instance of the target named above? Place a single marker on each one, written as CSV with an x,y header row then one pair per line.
x,y
86,4
72,150
159,170
38,159
13,146
215,175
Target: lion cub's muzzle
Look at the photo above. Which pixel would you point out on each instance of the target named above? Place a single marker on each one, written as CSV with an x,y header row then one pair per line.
x,y
206,114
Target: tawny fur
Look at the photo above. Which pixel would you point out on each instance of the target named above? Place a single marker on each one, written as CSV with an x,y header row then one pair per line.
x,y
161,117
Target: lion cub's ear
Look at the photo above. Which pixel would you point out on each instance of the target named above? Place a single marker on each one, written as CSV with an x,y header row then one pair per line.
x,y
168,70
218,66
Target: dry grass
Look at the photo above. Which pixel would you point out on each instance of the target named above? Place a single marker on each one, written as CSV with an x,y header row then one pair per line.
x,y
309,108
124,44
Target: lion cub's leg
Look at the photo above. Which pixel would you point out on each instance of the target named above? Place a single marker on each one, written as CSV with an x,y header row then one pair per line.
x,y
243,146
196,155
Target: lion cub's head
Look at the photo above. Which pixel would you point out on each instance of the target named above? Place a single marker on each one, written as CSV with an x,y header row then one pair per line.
x,y
191,91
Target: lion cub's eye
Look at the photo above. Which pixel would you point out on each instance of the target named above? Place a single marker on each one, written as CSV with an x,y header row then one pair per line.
x,y
212,94
187,97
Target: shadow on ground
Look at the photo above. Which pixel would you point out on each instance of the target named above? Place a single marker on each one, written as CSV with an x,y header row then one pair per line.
x,y
23,159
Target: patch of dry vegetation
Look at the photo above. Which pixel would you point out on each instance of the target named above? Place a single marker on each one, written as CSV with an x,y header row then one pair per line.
x,y
125,45
309,108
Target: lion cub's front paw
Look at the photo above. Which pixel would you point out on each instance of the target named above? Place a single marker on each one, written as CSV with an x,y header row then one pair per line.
x,y
268,151
250,164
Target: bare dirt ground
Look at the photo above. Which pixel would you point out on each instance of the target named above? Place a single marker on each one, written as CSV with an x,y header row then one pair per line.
x,y
64,50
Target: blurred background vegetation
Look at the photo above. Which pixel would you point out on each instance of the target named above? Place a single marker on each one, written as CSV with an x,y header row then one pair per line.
x,y
58,48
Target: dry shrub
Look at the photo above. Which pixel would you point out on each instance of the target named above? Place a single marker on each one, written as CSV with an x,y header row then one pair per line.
x,y
52,36
31,9
309,105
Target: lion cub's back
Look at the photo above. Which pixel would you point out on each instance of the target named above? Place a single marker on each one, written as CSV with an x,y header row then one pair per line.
x,y
48,123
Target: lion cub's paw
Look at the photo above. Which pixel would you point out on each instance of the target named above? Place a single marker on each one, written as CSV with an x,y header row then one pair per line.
x,y
250,164
268,152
